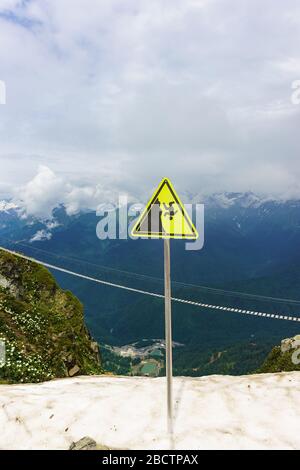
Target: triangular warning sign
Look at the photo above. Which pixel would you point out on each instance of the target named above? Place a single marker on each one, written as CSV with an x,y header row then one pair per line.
x,y
165,216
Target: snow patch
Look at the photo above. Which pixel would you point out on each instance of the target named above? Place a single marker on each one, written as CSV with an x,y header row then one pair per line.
x,y
41,235
216,412
52,224
224,201
6,206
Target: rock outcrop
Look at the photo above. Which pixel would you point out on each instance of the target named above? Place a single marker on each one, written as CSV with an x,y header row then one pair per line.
x,y
41,326
283,358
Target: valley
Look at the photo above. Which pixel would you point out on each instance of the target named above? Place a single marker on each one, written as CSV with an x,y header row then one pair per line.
x,y
149,229
251,246
145,357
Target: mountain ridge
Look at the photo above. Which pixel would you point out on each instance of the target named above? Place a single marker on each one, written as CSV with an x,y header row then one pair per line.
x,y
246,249
222,199
41,326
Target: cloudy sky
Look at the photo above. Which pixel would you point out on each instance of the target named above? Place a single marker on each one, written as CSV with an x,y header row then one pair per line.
x,y
114,95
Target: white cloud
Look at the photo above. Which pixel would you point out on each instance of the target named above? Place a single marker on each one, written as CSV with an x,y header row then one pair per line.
x,y
119,94
9,4
42,194
290,66
47,191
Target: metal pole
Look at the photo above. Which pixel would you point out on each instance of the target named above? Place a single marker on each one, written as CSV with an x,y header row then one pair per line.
x,y
168,332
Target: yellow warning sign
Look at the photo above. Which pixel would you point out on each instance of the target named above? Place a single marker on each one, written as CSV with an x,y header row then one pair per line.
x,y
165,216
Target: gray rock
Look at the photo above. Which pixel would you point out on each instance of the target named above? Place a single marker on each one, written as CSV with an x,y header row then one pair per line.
x,y
290,343
74,370
7,284
86,443
94,347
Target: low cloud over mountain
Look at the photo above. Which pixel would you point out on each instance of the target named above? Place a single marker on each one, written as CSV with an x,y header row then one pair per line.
x,y
199,91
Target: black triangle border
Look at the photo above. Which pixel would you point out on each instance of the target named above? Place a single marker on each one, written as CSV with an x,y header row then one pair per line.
x,y
136,231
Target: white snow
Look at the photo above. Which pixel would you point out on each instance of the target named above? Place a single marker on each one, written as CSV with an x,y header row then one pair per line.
x,y
216,412
224,201
6,206
52,224
40,236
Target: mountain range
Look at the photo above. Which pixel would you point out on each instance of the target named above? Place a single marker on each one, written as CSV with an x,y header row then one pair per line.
x,y
251,246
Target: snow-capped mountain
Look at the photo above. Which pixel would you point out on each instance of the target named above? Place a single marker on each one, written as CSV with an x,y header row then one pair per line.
x,y
226,200
7,206
222,200
247,214
251,245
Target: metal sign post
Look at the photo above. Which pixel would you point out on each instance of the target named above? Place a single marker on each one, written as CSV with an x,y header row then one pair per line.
x,y
165,217
168,332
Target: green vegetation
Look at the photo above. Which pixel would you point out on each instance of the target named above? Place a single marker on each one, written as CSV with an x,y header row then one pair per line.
x,y
142,364
236,359
45,337
41,325
280,360
245,260
115,363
